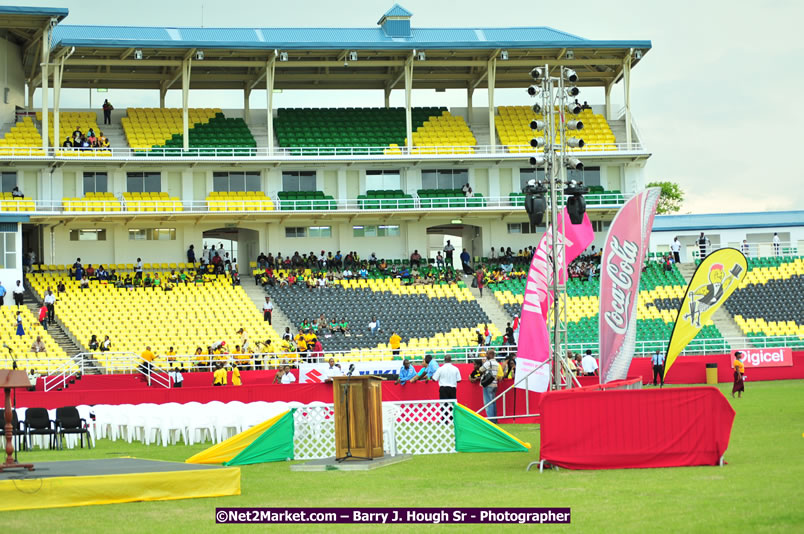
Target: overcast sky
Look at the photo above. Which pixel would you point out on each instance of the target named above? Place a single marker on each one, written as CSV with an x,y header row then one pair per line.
x,y
715,99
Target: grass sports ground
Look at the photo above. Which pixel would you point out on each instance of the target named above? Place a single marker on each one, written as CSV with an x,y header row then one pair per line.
x,y
759,490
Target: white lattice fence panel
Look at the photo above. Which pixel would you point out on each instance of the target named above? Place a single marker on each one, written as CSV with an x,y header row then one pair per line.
x,y
425,427
314,432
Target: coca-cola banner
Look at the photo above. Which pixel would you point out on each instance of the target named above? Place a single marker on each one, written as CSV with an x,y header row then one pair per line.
x,y
620,268
533,346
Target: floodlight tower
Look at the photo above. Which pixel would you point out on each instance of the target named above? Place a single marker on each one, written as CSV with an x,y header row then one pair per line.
x,y
556,95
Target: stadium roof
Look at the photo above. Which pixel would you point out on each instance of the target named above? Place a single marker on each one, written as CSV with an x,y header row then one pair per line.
x,y
24,26
318,58
725,221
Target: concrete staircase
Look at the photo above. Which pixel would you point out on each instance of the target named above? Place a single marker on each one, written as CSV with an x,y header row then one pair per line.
x,y
278,319
114,132
260,134
721,318
60,334
489,304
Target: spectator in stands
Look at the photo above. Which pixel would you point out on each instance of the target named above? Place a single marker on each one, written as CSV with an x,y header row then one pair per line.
x,y
675,248
777,244
465,259
658,367
589,364
394,342
147,365
20,330
509,366
668,264
440,260
332,371
509,335
448,250
474,375
16,193
492,254
287,376
480,280
374,325
431,366
267,310
68,142
744,248
38,346
138,269
3,294
416,259
43,316
191,254
702,245
19,294
447,377
236,376
94,344
106,345
490,391
739,375
107,112
406,373
176,376
219,375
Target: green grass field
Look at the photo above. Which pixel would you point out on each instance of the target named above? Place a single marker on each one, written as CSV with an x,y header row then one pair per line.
x,y
760,490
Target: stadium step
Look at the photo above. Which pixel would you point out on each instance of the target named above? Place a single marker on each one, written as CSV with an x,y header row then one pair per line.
x,y
59,334
489,304
114,133
257,295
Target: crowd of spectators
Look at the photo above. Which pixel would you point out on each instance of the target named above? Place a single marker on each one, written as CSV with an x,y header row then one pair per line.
x,y
86,141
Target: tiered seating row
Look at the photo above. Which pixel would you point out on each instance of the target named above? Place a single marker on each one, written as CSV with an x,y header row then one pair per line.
x,y
513,128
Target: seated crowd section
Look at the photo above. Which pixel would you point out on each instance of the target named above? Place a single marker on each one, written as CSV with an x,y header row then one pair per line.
x,y
660,294
203,311
513,129
42,359
23,134
769,301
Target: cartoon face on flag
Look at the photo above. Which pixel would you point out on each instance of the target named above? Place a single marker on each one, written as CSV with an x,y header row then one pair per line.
x,y
709,295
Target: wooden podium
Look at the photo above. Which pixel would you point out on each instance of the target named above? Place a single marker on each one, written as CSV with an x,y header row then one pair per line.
x,y
8,381
358,417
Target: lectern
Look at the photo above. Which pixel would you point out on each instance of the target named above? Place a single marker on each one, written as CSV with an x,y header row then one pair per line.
x,y
358,417
9,380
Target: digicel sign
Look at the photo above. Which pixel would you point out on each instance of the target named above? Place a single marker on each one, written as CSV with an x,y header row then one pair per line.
x,y
775,357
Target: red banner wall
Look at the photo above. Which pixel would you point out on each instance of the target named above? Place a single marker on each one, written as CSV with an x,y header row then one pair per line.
x,y
635,428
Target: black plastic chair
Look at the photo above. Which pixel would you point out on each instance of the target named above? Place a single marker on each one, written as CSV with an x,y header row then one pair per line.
x,y
16,428
38,423
69,421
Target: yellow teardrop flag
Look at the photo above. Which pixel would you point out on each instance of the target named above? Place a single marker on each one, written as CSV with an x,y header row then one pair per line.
x,y
715,279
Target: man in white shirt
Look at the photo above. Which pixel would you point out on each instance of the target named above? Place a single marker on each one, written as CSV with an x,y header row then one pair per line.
x,y
448,250
490,391
176,376
288,377
18,291
777,244
675,247
332,371
267,310
589,364
50,302
447,376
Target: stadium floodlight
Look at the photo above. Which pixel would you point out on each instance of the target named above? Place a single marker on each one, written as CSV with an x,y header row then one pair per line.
x,y
534,90
504,55
536,73
535,204
537,108
572,91
637,54
536,161
353,55
537,142
570,54
574,125
199,55
576,204
537,125
138,54
283,56
575,142
570,75
573,108
421,56
574,164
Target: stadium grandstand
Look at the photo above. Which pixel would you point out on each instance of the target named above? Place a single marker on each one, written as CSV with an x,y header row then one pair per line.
x,y
379,184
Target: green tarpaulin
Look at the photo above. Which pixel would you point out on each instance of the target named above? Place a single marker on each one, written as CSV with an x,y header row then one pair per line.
x,y
474,433
274,445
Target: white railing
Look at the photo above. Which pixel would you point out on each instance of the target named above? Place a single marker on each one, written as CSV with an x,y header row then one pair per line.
x,y
119,205
128,362
65,373
751,250
296,153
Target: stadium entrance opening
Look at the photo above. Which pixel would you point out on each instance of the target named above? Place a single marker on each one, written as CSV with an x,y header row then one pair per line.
x,y
240,243
460,236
